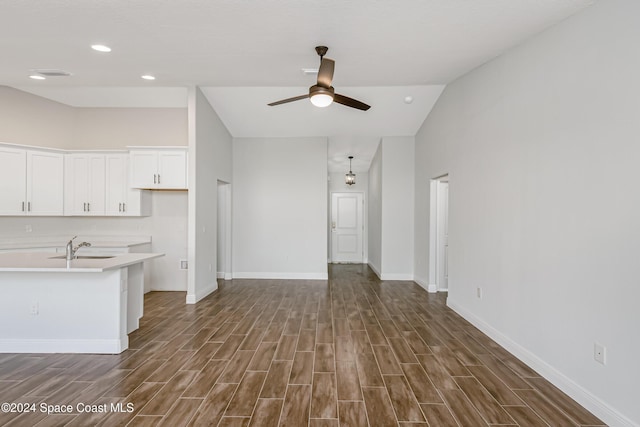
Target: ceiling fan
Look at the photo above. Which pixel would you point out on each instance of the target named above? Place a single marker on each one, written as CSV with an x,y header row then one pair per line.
x,y
322,93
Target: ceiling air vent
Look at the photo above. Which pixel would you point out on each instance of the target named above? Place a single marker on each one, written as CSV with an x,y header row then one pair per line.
x,y
53,73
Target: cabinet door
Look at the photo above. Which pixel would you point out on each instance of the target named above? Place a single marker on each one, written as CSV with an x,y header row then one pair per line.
x,y
143,169
117,173
13,181
120,198
97,183
77,186
85,184
45,183
172,169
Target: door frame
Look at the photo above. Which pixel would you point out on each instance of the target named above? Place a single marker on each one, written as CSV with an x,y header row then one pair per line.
x,y
434,231
364,224
224,224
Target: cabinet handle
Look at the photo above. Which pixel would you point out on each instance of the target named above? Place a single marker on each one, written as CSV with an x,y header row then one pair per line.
x,y
29,206
84,207
22,206
88,207
158,178
119,207
124,207
154,178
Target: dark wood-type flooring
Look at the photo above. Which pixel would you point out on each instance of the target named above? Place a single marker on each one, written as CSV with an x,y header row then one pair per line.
x,y
353,352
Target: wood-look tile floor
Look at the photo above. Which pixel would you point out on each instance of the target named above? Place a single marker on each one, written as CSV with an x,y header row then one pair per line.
x,y
352,351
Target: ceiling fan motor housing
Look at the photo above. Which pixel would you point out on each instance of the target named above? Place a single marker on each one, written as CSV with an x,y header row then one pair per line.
x,y
320,90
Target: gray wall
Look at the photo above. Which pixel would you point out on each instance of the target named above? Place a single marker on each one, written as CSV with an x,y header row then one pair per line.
x,y
210,152
541,147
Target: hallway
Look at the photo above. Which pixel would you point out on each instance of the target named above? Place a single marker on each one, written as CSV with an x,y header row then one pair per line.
x,y
289,352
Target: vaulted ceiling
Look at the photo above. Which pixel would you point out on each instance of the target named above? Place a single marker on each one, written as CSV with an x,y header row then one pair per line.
x,y
244,54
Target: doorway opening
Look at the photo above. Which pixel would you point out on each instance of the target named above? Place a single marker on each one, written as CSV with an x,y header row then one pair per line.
x,y
347,227
223,251
439,235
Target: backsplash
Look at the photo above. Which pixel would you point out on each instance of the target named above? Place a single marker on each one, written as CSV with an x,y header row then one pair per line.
x,y
167,227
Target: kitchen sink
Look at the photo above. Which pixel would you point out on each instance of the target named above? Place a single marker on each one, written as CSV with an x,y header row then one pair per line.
x,y
85,257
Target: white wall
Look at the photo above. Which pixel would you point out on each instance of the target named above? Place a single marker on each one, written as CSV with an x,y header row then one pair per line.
x,y
167,228
374,230
337,185
210,153
391,209
31,120
541,147
280,208
113,128
397,207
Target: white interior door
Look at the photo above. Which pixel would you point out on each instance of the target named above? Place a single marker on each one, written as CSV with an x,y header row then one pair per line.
x,y
347,223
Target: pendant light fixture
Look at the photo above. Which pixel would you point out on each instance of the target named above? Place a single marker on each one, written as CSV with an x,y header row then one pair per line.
x,y
350,178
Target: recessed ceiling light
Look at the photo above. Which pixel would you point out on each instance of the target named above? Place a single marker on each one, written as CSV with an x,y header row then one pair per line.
x,y
408,99
148,77
100,48
37,77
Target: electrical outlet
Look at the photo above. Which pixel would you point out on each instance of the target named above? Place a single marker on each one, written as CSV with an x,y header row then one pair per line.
x,y
479,292
28,228
34,308
184,265
600,353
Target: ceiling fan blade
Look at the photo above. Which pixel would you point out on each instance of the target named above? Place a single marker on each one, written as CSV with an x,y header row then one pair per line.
x,y
284,101
350,102
325,73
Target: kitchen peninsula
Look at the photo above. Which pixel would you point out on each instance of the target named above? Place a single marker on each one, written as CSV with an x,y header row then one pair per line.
x,y
86,305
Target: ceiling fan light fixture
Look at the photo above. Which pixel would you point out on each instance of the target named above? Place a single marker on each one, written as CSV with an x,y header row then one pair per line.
x,y
321,100
321,96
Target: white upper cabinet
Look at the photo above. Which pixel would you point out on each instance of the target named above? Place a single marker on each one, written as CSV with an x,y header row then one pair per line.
x,y
121,200
13,181
31,182
85,181
158,168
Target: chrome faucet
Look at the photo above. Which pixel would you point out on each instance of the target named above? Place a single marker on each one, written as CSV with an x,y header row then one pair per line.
x,y
71,251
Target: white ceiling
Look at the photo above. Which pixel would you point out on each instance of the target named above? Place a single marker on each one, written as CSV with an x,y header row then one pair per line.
x,y
247,53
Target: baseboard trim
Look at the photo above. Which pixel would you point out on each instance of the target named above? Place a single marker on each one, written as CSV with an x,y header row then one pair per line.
x,y
281,275
392,276
194,298
375,270
115,346
420,281
592,403
220,275
396,276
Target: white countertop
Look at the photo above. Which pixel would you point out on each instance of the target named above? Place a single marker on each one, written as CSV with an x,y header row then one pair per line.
x,y
52,263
